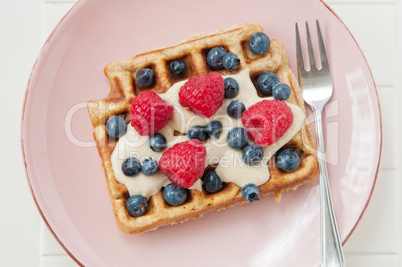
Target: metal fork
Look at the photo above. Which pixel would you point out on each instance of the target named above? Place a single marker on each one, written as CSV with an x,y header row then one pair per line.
x,y
317,90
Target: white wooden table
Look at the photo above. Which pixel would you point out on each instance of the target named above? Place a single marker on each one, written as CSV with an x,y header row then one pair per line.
x,y
25,25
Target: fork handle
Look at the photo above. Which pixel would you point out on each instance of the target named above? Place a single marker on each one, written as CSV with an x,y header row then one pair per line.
x,y
331,245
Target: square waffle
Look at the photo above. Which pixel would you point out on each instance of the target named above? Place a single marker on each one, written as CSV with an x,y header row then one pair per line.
x,y
193,52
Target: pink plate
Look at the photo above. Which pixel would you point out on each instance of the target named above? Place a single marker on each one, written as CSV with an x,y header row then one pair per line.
x,y
64,169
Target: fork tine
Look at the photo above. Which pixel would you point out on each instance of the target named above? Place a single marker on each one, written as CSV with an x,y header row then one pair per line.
x,y
323,51
299,53
310,49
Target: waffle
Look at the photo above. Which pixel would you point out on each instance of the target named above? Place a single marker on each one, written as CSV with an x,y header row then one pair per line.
x,y
193,51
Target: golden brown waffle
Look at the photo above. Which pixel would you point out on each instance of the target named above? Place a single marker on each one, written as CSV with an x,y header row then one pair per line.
x,y
193,51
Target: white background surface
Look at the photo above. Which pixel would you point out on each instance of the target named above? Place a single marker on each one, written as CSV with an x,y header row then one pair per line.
x,y
25,25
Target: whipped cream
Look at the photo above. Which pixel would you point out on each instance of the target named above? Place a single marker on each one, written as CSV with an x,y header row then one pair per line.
x,y
229,162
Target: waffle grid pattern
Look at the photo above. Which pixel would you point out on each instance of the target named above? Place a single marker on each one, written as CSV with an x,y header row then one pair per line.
x,y
193,51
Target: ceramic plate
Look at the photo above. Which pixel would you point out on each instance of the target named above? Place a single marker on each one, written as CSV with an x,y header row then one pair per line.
x,y
64,169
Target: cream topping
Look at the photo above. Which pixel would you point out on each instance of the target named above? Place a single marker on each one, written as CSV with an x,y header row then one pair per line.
x,y
230,165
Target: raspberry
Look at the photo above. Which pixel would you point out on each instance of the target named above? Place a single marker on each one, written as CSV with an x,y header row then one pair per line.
x,y
203,94
267,120
149,113
184,162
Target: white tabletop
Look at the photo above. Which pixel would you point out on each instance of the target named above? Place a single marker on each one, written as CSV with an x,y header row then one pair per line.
x,y
25,25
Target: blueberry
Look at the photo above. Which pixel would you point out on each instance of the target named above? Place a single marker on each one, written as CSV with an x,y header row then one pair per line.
x,y
236,109
197,132
178,67
214,129
116,126
215,58
131,166
237,138
281,91
266,81
231,62
136,205
157,142
211,181
149,166
252,154
287,160
145,77
231,88
259,43
250,192
174,195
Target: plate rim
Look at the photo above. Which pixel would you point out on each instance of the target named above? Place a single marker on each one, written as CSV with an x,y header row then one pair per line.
x,y
380,121
25,99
